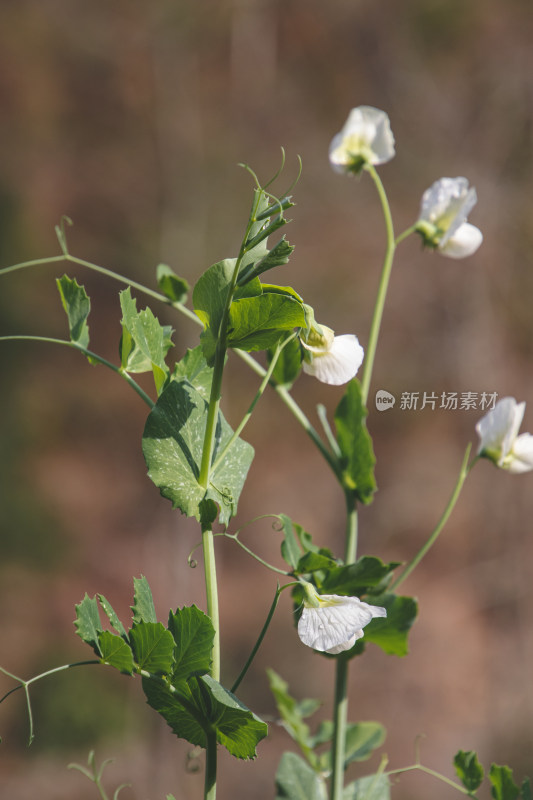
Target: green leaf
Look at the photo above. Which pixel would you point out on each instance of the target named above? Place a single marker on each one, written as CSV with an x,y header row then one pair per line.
x,y
153,647
257,323
357,579
173,441
193,634
171,285
144,343
112,616
503,785
203,703
290,547
355,443
296,780
468,769
362,738
525,789
289,363
390,633
115,652
279,255
87,622
373,787
291,714
194,368
311,562
143,603
77,306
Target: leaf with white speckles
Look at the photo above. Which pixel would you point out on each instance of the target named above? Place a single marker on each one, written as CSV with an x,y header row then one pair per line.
x,y
172,444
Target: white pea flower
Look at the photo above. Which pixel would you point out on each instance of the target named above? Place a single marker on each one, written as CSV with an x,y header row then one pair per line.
x,y
331,623
443,212
332,359
365,138
500,442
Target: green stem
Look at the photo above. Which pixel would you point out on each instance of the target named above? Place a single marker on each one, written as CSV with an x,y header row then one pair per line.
x,y
433,773
340,710
210,784
383,285
400,238
463,473
89,353
246,549
211,591
261,636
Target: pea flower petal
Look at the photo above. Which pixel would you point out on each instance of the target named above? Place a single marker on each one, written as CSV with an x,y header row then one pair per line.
x,y
443,212
335,624
332,359
365,138
500,442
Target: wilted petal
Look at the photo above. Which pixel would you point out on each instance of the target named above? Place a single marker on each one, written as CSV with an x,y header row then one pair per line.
x,y
337,623
464,242
336,364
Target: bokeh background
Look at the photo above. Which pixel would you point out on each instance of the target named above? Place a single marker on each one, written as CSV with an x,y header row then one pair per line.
x,y
130,118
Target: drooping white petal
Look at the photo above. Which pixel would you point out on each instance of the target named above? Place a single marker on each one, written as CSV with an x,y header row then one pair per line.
x,y
337,364
464,242
498,429
366,135
521,456
337,623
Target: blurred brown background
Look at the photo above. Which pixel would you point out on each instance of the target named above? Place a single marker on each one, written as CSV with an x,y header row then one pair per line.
x,y
130,117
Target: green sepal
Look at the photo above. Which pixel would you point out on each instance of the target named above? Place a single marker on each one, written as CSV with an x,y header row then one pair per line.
x,y
355,444
194,368
171,285
503,786
87,622
116,652
172,444
193,634
112,616
143,604
296,780
289,363
371,787
468,769
391,632
77,306
144,342
203,704
362,738
153,647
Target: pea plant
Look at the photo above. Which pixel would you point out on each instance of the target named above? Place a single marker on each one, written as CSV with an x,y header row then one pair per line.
x,y
341,602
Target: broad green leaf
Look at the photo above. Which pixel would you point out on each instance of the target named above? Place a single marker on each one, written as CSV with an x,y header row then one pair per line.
x,y
77,306
288,365
311,562
355,443
390,633
503,786
153,647
373,787
143,602
182,709
257,323
193,367
356,579
291,714
112,616
144,343
296,780
362,738
173,441
87,622
468,769
238,729
115,652
193,634
171,285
